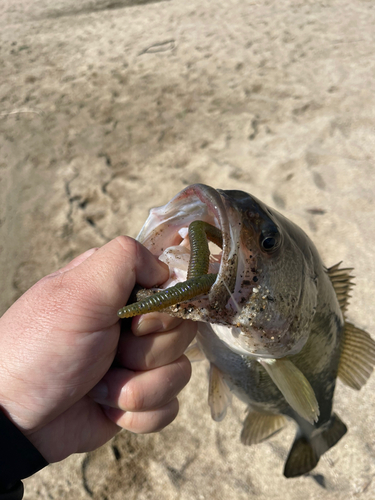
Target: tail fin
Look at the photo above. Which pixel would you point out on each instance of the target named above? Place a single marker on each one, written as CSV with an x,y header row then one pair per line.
x,y
305,452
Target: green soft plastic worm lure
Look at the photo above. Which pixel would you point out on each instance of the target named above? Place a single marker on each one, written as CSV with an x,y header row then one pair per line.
x,y
198,281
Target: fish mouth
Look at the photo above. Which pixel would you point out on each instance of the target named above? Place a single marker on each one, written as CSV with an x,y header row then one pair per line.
x,y
165,225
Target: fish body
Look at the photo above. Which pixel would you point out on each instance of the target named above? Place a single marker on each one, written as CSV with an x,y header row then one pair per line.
x,y
273,323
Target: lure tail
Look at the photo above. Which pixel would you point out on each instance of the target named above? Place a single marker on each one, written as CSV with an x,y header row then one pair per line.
x,y
306,452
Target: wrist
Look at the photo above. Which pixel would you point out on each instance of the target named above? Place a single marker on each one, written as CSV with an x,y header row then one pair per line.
x,y
18,457
13,492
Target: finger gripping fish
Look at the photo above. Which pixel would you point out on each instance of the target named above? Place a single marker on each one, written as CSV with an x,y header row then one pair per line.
x,y
272,316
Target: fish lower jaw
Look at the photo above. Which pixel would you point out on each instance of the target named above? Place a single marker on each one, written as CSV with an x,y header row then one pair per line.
x,y
252,344
241,343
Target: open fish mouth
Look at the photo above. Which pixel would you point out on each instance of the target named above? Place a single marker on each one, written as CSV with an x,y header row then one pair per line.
x,y
165,235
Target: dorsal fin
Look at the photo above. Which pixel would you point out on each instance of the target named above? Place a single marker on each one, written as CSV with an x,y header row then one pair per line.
x,y
342,284
219,395
260,426
357,358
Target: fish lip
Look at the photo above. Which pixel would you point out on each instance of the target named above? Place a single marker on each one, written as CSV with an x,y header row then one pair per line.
x,y
223,286
221,291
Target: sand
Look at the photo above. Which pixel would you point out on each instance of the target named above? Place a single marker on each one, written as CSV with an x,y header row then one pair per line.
x,y
108,108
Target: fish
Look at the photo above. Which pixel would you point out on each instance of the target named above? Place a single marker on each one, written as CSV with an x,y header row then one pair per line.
x,y
272,316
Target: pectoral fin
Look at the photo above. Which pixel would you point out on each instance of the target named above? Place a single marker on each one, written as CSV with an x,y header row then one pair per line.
x,y
358,349
294,386
357,357
194,353
260,426
219,395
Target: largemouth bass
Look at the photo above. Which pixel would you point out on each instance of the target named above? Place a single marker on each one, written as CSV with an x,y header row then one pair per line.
x,y
272,316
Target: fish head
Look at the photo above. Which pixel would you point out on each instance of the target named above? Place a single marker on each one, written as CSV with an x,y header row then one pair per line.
x,y
264,297
275,293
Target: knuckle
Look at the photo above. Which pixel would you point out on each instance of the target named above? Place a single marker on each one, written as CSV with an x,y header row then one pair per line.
x,y
148,361
184,366
131,251
132,397
130,422
128,244
167,415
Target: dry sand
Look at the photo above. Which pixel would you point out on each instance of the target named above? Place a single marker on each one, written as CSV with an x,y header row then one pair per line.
x,y
108,108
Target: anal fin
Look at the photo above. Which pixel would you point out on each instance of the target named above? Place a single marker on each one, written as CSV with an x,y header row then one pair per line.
x,y
258,427
357,357
194,353
219,395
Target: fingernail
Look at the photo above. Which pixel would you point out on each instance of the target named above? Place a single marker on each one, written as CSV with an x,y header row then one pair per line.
x,y
81,258
75,262
148,325
99,392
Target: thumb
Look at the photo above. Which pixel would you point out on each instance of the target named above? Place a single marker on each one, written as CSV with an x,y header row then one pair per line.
x,y
88,291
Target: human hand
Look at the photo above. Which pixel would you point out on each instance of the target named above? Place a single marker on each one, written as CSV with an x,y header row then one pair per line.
x,y
59,340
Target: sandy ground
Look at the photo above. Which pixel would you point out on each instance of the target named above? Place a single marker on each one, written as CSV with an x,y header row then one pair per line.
x,y
108,108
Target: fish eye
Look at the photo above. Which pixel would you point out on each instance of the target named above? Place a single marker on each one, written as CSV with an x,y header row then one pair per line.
x,y
269,241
